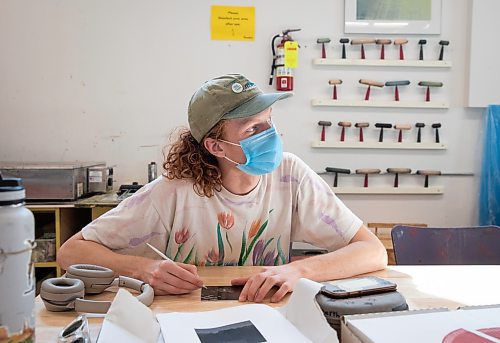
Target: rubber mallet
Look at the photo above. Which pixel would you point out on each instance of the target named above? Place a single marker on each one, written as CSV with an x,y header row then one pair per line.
x,y
362,42
401,42
337,171
382,43
370,83
344,41
360,126
395,84
443,43
323,41
428,173
401,127
396,172
382,126
436,126
367,172
429,84
324,124
334,82
421,42
343,125
419,126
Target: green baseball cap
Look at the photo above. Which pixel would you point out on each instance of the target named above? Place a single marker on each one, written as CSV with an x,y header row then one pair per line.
x,y
229,96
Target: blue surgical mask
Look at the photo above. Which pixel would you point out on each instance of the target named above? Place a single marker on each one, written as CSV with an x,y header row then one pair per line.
x,y
263,151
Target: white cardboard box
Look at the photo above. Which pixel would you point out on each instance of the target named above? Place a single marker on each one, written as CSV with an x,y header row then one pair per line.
x,y
416,326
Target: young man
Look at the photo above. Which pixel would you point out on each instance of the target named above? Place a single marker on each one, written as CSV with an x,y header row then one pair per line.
x,y
229,196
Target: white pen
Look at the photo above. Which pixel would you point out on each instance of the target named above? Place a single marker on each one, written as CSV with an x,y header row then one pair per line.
x,y
165,257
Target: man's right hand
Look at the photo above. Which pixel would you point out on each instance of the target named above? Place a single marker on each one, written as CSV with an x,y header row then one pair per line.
x,y
168,277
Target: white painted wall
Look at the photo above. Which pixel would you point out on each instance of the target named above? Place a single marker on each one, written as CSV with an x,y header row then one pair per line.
x,y
109,80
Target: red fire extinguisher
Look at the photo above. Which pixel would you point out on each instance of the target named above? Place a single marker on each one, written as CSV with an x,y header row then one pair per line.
x,y
284,75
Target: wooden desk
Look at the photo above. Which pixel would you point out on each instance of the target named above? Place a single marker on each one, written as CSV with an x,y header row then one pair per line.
x,y
422,286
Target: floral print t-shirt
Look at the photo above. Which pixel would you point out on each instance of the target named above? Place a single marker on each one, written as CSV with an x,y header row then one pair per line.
x,y
291,204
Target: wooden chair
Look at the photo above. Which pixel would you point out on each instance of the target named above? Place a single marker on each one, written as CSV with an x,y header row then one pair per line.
x,y
456,245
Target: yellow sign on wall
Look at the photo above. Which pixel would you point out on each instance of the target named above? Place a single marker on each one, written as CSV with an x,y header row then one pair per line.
x,y
233,23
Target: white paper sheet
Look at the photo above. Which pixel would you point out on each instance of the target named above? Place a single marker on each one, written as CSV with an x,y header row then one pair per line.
x,y
129,321
301,320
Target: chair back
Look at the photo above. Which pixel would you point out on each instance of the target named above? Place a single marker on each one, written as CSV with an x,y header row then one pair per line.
x,y
455,245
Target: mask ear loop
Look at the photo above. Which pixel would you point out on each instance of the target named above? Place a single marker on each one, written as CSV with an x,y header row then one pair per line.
x,y
227,158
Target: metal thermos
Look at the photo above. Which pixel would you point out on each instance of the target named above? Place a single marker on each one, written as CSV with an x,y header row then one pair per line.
x,y
152,171
17,280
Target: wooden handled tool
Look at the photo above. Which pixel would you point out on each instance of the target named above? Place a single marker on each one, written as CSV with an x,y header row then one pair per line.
x,y
343,41
323,124
428,173
382,126
382,43
419,126
361,126
370,83
429,84
337,171
366,172
401,127
395,84
443,43
362,42
334,82
436,126
396,172
401,42
323,41
343,125
421,42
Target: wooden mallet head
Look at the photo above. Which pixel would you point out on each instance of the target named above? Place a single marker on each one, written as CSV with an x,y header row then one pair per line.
x,y
396,172
361,126
401,42
366,172
334,82
428,173
370,83
382,43
323,41
401,127
343,125
362,42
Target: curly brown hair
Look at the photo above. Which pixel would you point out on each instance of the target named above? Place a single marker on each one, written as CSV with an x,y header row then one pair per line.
x,y
189,159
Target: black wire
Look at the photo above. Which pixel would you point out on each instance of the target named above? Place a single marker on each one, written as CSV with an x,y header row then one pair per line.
x,y
273,66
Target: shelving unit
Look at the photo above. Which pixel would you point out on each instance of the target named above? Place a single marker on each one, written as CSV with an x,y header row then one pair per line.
x,y
379,145
382,63
379,103
388,190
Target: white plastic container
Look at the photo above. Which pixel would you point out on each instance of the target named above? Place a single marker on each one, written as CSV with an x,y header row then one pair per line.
x,y
17,280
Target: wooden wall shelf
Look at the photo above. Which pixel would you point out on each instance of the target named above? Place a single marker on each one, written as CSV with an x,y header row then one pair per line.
x,y
382,63
388,190
379,145
378,103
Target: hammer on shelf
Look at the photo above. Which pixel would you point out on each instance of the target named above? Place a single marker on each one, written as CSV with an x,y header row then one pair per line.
x,y
401,42
401,127
323,124
362,42
382,43
323,41
343,125
421,42
343,41
436,126
429,84
395,84
396,172
370,83
428,173
419,126
334,82
443,43
382,126
360,126
337,171
366,172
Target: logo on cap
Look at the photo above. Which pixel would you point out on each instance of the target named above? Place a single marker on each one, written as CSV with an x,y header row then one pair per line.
x,y
237,87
